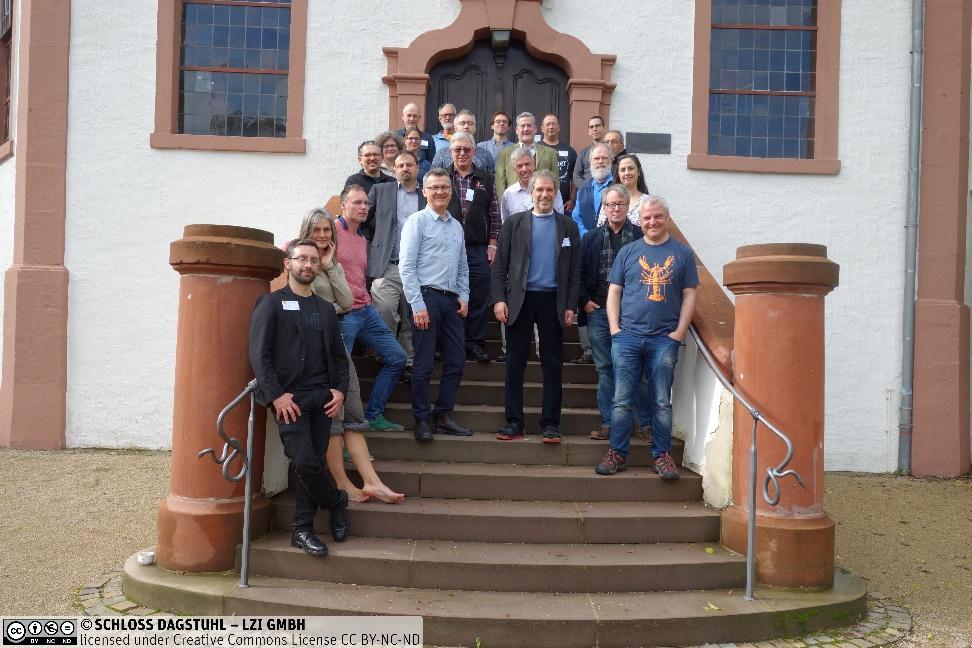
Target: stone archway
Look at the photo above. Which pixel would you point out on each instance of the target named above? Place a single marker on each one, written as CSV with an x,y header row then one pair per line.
x,y
589,87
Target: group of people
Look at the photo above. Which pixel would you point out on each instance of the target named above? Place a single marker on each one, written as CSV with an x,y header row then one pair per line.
x,y
436,232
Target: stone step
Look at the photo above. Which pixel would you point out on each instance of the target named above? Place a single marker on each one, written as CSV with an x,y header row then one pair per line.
x,y
489,418
536,483
515,619
493,371
493,332
570,350
492,567
491,392
423,518
483,447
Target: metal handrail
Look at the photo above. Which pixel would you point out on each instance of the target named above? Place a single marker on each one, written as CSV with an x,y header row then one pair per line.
x,y
227,457
773,474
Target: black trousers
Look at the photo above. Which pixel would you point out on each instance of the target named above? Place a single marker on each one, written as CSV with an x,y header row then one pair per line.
x,y
539,308
305,444
479,306
445,334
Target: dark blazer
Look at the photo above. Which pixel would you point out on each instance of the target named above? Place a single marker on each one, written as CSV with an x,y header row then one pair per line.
x,y
277,346
381,226
591,260
512,264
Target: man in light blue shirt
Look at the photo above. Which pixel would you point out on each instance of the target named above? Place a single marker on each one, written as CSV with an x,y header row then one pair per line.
x,y
437,292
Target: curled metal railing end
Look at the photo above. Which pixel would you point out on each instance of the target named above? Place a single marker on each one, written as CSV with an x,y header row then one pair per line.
x,y
225,460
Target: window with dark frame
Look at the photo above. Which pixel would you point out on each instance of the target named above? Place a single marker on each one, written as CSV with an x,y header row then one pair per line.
x,y
6,57
762,78
233,68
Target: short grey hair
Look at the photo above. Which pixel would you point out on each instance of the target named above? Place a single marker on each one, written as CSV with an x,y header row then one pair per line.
x,y
656,200
527,115
619,189
461,135
544,173
518,152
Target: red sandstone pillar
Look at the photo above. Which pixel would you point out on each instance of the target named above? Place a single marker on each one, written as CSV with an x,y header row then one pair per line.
x,y
224,270
779,366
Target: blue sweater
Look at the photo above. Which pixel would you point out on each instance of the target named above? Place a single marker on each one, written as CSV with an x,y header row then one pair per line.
x,y
543,253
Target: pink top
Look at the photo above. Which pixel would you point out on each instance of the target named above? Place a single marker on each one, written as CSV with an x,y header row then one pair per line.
x,y
353,254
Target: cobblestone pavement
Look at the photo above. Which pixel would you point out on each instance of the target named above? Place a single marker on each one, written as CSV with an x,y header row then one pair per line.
x,y
882,625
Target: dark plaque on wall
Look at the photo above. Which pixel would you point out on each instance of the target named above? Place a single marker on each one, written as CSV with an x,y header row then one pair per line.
x,y
648,142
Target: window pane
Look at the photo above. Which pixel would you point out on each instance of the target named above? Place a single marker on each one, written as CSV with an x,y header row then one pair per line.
x,y
782,13
256,37
219,103
753,59
761,126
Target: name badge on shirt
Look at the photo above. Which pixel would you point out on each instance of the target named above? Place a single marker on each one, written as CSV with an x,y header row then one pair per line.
x,y
565,242
425,143
291,305
563,153
470,194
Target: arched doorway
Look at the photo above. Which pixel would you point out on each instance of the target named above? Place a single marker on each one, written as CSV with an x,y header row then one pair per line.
x,y
588,76
491,78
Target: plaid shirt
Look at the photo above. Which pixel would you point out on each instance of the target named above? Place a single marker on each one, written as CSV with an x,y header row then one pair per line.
x,y
461,184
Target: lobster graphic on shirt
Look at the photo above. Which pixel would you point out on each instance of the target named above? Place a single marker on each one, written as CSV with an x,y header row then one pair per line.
x,y
656,276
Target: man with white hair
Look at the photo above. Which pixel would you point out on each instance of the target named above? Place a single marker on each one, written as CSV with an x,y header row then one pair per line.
x,y
588,203
447,119
466,123
411,118
517,196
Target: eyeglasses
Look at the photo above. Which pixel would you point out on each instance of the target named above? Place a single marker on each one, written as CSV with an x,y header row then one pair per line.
x,y
412,139
500,122
447,114
389,147
462,150
302,260
438,188
616,205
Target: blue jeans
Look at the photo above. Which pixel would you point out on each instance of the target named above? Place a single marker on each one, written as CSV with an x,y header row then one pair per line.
x,y
634,357
599,335
367,324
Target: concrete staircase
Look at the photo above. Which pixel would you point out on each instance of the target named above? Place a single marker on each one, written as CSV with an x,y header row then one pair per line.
x,y
518,543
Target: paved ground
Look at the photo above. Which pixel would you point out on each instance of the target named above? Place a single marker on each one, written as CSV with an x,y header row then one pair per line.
x,y
72,517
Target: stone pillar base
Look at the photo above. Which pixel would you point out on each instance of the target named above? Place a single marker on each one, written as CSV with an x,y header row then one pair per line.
x,y
790,551
201,535
32,395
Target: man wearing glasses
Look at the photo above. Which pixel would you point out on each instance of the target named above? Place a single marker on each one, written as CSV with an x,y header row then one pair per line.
x,y
500,123
437,290
369,157
447,116
474,204
302,373
410,119
466,123
544,157
582,170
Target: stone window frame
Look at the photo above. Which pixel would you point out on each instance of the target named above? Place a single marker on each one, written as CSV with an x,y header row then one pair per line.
x,y
166,134
6,74
825,160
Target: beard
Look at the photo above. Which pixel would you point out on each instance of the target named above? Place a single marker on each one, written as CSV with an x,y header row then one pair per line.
x,y
600,174
300,278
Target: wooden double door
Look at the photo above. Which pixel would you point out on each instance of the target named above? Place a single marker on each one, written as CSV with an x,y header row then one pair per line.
x,y
509,79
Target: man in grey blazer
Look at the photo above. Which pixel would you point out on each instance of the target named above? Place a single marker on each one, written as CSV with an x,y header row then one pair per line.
x,y
536,281
389,204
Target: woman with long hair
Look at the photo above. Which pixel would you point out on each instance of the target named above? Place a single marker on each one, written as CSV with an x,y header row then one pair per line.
x,y
330,285
633,178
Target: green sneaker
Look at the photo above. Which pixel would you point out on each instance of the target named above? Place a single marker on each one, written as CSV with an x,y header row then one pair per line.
x,y
381,424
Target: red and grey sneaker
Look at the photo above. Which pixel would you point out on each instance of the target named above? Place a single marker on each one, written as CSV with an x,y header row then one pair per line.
x,y
611,463
509,432
665,467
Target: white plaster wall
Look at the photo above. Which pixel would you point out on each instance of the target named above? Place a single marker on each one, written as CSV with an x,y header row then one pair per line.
x,y
121,339
127,201
8,176
858,214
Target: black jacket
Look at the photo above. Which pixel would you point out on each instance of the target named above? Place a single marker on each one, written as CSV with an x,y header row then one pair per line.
x,y
476,222
591,260
366,181
508,277
277,346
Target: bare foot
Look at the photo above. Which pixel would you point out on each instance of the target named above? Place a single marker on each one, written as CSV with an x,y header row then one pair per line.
x,y
355,494
383,493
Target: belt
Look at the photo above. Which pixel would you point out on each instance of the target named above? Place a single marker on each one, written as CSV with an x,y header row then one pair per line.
x,y
447,293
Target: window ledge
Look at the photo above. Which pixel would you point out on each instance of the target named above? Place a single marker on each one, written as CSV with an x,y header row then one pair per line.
x,y
6,150
221,143
762,165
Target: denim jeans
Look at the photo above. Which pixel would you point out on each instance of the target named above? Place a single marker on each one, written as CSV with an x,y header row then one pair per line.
x,y
634,357
367,324
600,336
